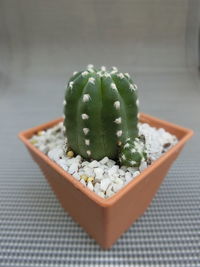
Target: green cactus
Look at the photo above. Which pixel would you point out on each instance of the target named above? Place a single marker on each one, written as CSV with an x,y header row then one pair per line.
x,y
100,112
132,153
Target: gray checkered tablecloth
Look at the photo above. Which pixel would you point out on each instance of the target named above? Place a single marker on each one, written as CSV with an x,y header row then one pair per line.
x,y
35,230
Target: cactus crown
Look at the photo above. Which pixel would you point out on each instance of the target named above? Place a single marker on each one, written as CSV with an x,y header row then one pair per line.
x,y
100,111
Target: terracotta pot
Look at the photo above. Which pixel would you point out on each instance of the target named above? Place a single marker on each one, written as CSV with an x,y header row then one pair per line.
x,y
107,219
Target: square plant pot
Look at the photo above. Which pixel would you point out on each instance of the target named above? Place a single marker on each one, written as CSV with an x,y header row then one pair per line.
x,y
107,219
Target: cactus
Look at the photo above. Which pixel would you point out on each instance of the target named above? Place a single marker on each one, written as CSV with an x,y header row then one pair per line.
x,y
100,112
132,153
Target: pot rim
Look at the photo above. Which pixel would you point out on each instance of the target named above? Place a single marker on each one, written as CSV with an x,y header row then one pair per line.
x,y
104,203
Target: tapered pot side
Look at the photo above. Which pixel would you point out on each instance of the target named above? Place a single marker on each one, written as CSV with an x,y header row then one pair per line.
x,y
106,219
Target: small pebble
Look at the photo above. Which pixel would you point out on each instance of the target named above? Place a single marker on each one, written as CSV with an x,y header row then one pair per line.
x,y
55,154
132,169
123,168
110,163
89,171
83,182
62,163
99,173
117,187
73,168
78,158
128,176
40,133
84,177
114,177
109,191
90,186
97,187
143,166
90,179
121,172
43,148
104,160
101,194
104,184
85,163
33,142
77,176
94,164
113,170
118,181
136,174
70,154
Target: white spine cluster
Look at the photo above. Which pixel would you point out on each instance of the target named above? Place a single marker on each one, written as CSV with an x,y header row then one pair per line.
x,y
113,86
123,157
87,142
86,130
85,73
117,104
114,69
132,162
127,145
84,116
119,133
118,120
86,97
127,75
64,102
91,80
88,152
137,102
75,72
71,85
120,75
100,73
132,87
106,74
103,68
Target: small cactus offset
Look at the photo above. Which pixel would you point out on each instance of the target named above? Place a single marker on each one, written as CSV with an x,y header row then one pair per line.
x,y
100,112
132,153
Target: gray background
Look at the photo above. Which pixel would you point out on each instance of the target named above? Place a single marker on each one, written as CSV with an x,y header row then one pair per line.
x,y
41,44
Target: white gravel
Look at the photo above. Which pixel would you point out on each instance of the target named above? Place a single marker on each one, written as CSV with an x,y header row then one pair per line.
x,y
107,177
